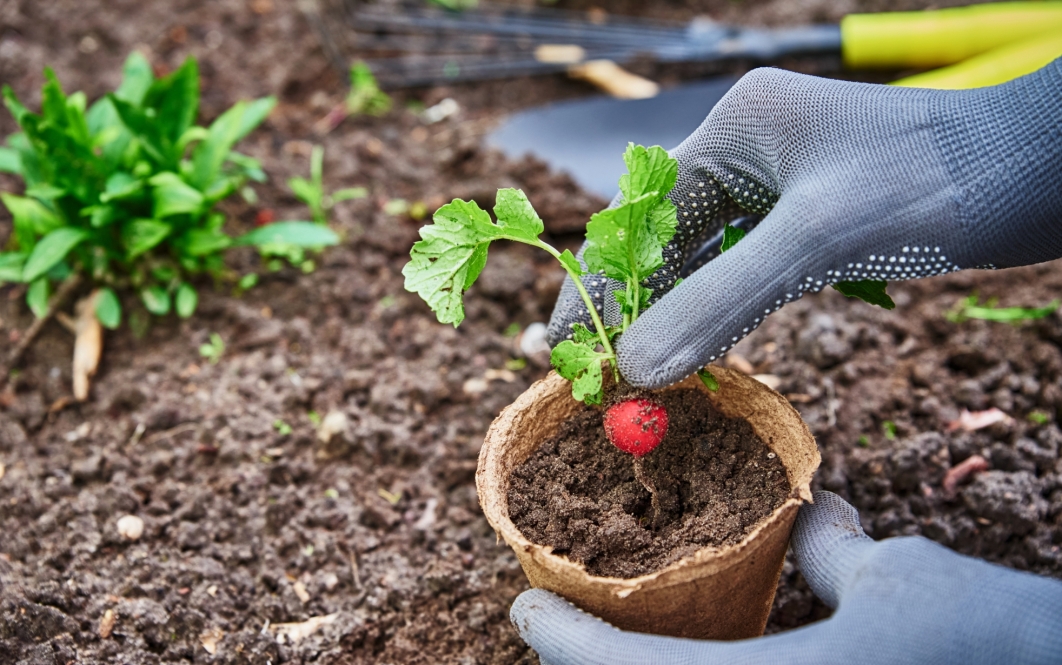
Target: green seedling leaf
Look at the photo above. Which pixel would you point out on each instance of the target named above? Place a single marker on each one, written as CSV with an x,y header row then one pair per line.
x,y
52,249
37,296
1038,417
11,266
141,235
137,78
580,363
282,428
583,335
10,161
365,95
226,131
888,428
708,379
296,234
108,309
871,291
156,299
349,193
214,349
453,250
968,308
32,219
173,196
122,186
731,235
186,301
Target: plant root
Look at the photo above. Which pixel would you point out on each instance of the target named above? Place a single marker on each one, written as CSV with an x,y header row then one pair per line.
x,y
647,483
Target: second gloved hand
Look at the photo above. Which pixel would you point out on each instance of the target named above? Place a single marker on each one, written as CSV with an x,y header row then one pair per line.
x,y
900,600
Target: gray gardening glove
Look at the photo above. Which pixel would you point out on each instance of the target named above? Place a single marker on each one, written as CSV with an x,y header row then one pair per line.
x,y
857,181
900,600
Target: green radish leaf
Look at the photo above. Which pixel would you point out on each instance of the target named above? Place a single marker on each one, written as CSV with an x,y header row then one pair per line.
x,y
186,301
652,170
580,363
10,162
52,249
453,250
173,196
571,263
108,309
517,217
140,235
868,290
583,335
11,266
708,379
37,297
298,234
731,235
619,243
156,300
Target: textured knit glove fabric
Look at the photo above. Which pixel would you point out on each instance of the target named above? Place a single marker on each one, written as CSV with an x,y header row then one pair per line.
x,y
857,181
901,600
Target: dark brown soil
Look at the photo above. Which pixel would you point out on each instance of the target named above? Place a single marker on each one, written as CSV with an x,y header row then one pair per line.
x,y
714,479
236,512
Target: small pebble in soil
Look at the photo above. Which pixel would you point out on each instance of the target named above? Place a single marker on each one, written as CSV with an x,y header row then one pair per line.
x,y
130,527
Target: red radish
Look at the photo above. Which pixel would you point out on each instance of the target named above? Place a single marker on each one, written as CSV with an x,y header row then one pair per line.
x,y
636,426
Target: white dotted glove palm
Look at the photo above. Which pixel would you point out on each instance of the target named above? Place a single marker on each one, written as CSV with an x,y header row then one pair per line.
x,y
901,600
857,181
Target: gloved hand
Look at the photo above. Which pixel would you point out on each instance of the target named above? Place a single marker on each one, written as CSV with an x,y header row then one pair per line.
x,y
857,181
900,600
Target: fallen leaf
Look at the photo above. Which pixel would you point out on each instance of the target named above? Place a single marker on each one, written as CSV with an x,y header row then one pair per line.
x,y
291,633
970,466
210,640
970,421
107,622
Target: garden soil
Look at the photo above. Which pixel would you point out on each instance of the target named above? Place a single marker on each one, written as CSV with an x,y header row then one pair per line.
x,y
375,539
714,481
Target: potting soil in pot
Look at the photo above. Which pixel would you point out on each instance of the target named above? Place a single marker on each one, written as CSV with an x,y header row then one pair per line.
x,y
715,480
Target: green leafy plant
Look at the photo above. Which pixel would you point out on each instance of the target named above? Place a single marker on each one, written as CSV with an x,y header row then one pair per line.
x,y
888,428
213,349
124,191
365,95
312,192
970,308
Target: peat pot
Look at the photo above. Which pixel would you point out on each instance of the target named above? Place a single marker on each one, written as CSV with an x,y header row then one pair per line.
x,y
722,593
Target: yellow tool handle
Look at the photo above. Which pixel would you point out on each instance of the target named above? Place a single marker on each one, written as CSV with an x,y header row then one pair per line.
x,y
992,68
944,36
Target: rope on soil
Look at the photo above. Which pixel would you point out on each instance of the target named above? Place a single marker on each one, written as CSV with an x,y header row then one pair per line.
x,y
66,289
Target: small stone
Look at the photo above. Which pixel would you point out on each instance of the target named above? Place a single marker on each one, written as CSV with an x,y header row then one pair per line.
x,y
330,581
300,590
336,422
130,527
107,624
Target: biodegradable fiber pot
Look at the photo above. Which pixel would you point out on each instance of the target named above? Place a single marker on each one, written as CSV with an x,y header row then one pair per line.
x,y
716,593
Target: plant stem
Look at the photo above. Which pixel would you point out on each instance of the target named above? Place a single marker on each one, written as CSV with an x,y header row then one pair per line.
x,y
64,292
643,478
587,301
